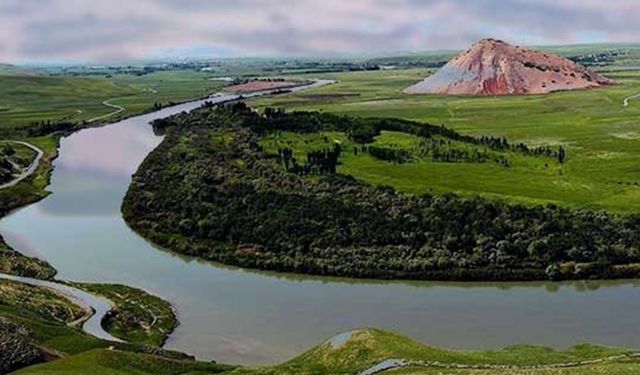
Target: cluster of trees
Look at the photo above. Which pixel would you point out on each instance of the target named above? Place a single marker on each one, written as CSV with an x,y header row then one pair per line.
x,y
41,128
593,59
324,161
319,162
6,169
235,205
364,130
394,155
445,151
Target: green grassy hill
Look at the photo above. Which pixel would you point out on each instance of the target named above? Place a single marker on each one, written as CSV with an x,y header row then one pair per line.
x,y
361,351
600,134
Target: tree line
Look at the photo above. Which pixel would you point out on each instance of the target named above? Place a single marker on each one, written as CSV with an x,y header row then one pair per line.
x,y
236,205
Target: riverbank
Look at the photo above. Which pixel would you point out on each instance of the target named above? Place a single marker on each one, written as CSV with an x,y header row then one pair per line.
x,y
45,321
135,316
31,186
28,171
369,352
251,202
241,316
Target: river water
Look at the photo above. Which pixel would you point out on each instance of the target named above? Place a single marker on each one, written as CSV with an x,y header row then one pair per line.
x,y
239,316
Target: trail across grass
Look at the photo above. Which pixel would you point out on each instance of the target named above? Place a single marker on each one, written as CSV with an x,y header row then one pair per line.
x,y
118,109
626,100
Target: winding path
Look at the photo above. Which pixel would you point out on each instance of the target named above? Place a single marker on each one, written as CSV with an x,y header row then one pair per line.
x,y
626,100
106,102
28,171
98,306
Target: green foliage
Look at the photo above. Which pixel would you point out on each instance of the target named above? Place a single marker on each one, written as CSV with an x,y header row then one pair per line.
x,y
399,156
15,263
32,188
41,317
16,350
39,302
236,205
137,316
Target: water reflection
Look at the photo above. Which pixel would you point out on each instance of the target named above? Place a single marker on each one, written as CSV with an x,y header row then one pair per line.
x,y
548,286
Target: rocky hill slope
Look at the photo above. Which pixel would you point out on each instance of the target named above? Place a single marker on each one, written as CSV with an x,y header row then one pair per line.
x,y
493,67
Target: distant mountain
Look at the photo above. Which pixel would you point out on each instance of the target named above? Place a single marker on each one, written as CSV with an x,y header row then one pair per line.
x,y
493,67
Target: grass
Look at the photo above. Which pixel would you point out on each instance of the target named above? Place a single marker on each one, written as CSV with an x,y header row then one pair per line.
x,y
45,316
138,317
15,263
601,136
347,353
39,302
116,362
28,98
163,88
629,368
32,188
357,351
421,174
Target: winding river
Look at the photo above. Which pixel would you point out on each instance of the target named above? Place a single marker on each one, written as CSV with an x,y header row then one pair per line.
x,y
239,316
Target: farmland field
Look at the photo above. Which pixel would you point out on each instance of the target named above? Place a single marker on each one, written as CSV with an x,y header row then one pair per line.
x,y
600,134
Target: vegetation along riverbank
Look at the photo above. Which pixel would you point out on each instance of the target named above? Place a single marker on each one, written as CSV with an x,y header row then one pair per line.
x,y
272,191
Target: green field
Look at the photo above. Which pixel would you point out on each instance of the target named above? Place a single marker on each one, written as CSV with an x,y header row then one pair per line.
x,y
602,138
408,176
25,99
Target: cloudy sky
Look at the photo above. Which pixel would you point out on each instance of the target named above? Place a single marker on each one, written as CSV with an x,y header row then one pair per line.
x,y
101,30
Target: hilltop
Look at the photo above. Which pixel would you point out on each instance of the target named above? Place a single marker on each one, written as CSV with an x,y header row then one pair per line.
x,y
493,67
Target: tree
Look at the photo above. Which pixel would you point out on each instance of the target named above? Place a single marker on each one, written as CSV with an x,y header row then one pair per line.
x,y
561,155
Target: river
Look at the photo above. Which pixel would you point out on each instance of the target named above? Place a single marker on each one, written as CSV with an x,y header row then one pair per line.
x,y
239,316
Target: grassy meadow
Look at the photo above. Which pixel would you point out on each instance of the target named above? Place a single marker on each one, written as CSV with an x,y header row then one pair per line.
x,y
602,138
25,99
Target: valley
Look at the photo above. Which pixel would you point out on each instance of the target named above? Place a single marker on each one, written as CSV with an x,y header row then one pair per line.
x,y
369,146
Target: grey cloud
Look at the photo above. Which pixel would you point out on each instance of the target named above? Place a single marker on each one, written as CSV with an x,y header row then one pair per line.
x,y
22,7
86,32
41,29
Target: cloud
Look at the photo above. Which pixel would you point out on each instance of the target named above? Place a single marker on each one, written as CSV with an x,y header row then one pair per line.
x,y
124,29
